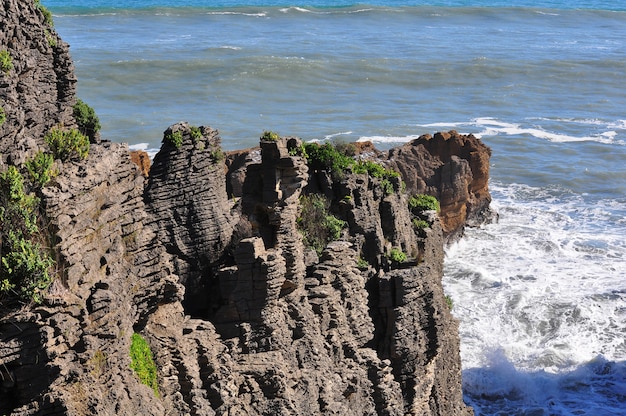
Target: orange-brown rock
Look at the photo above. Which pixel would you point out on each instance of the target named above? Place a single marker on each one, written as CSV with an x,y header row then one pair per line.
x,y
141,159
452,167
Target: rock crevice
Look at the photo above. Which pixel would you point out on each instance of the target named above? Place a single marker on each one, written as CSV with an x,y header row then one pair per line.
x,y
204,257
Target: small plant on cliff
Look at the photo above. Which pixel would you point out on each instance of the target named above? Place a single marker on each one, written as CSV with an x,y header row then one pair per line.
x,y
420,224
6,61
142,363
317,225
270,136
362,264
338,160
449,302
47,15
52,41
217,155
40,169
3,116
24,265
67,144
175,138
86,118
419,203
195,132
396,255
327,157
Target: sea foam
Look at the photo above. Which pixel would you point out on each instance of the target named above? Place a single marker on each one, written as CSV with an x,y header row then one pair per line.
x,y
541,297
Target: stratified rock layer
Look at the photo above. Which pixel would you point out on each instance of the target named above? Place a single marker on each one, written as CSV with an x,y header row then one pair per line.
x,y
39,89
455,169
205,259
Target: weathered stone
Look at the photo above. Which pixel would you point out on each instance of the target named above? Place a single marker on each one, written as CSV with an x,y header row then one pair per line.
x,y
452,167
240,317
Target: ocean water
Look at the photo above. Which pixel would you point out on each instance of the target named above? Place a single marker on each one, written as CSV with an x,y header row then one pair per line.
x,y
541,294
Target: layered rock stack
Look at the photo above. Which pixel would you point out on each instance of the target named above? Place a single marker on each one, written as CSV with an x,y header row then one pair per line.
x,y
455,169
205,260
38,91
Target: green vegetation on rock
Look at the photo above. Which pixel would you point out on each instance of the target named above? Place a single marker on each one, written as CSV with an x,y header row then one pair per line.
x,y
175,138
24,265
67,144
142,363
397,255
420,224
421,202
217,155
52,42
6,61
362,264
338,160
86,118
270,136
40,169
449,302
196,133
47,15
317,225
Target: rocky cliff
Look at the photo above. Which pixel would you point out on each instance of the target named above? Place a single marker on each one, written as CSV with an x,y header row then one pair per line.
x,y
205,259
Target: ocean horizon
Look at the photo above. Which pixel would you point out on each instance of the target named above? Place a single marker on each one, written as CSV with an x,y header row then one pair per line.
x,y
541,294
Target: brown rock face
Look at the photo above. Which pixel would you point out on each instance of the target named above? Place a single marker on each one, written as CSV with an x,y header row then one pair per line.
x,y
455,169
205,259
142,160
39,90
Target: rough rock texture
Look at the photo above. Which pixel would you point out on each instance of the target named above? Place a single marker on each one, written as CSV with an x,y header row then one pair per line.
x,y
39,91
455,169
187,198
204,258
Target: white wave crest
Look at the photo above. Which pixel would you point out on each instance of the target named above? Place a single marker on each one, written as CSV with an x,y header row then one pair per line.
x,y
387,139
145,147
493,127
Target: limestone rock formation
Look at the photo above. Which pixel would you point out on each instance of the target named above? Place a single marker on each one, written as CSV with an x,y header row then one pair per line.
x,y
38,90
455,169
205,259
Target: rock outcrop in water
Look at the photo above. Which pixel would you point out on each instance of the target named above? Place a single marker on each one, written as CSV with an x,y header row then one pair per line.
x,y
205,259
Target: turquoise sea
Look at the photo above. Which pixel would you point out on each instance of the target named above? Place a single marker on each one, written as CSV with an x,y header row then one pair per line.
x,y
541,295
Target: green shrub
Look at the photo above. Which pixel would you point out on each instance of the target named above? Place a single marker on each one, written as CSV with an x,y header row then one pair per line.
x,y
270,136
386,186
86,118
25,268
449,302
6,61
327,157
24,265
40,168
47,15
376,170
217,155
196,133
18,209
67,144
3,116
421,202
317,225
52,41
330,158
175,138
142,363
298,151
420,224
362,264
396,255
